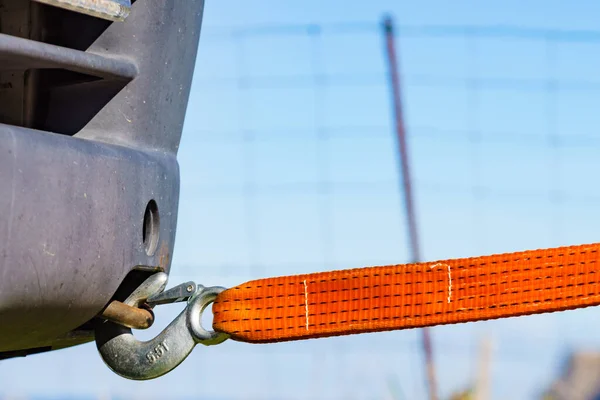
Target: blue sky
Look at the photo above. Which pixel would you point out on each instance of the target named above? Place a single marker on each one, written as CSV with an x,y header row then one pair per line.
x,y
288,165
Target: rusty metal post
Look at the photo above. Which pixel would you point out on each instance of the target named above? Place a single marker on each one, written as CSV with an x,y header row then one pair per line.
x,y
126,315
405,184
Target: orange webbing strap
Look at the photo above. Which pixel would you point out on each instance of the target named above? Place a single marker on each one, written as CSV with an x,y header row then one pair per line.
x,y
409,296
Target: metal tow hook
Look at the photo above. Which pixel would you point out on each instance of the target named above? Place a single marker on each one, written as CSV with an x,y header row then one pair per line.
x,y
138,360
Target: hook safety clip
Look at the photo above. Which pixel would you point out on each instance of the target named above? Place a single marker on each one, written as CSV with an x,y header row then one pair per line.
x,y
134,359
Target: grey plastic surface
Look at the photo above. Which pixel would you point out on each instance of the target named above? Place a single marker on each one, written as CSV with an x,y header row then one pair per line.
x,y
72,207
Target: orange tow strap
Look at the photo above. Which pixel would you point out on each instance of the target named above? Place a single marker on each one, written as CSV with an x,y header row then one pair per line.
x,y
409,296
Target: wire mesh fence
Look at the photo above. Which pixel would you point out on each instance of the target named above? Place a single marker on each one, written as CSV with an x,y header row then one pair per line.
x,y
289,165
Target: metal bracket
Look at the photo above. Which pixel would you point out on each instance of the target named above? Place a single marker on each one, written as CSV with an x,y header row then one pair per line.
x,y
134,359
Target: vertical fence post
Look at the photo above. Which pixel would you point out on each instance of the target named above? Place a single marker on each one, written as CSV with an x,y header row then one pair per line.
x,y
405,184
